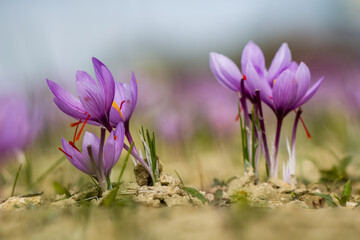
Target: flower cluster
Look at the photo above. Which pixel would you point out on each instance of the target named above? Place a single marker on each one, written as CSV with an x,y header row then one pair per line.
x,y
284,87
104,103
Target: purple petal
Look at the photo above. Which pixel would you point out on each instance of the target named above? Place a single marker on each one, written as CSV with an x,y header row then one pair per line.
x,y
302,77
91,96
66,102
113,148
281,61
77,159
225,71
255,82
310,93
284,92
134,88
106,82
253,54
90,139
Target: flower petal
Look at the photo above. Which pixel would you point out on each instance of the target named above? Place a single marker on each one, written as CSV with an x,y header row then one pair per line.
x,y
77,159
302,77
106,82
225,71
280,62
284,92
134,88
255,82
90,139
252,53
113,148
310,93
91,96
66,102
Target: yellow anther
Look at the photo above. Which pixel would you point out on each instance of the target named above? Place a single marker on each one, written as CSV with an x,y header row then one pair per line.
x,y
114,105
274,81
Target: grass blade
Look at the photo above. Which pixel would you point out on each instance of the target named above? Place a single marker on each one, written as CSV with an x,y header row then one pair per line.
x,y
16,179
49,170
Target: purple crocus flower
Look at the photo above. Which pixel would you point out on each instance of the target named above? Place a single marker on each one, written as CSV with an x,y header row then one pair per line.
x,y
96,99
97,159
284,87
19,125
290,91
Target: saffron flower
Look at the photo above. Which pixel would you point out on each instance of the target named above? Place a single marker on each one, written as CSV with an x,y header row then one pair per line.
x,y
97,159
284,87
19,125
95,99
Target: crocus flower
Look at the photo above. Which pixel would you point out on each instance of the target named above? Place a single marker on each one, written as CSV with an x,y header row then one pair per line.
x,y
95,99
97,159
124,102
19,125
284,87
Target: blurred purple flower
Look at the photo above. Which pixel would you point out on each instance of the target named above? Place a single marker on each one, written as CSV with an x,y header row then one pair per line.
x,y
97,159
96,99
19,125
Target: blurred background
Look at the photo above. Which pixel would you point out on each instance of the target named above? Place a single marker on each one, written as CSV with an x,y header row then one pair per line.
x,y
167,46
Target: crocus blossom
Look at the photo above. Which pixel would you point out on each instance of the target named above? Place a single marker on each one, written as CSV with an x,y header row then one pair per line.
x,y
19,125
284,87
97,159
95,98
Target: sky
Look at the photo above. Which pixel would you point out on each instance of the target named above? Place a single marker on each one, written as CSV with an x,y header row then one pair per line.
x,y
54,39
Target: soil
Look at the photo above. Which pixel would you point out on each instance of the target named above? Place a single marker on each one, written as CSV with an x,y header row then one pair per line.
x,y
246,210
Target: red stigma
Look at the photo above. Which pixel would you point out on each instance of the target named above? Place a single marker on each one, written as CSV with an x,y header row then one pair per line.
x,y
244,77
82,128
122,104
115,137
304,126
73,145
65,153
271,97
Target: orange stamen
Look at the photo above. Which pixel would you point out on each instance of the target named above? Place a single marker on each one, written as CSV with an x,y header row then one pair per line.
x,y
304,126
114,105
65,153
82,128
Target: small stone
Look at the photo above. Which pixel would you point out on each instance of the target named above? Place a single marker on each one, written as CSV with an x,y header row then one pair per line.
x,y
20,203
64,203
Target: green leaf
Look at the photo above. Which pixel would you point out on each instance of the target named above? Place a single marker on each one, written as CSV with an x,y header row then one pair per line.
x,y
110,198
218,195
195,193
346,194
328,199
125,163
59,189
347,190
